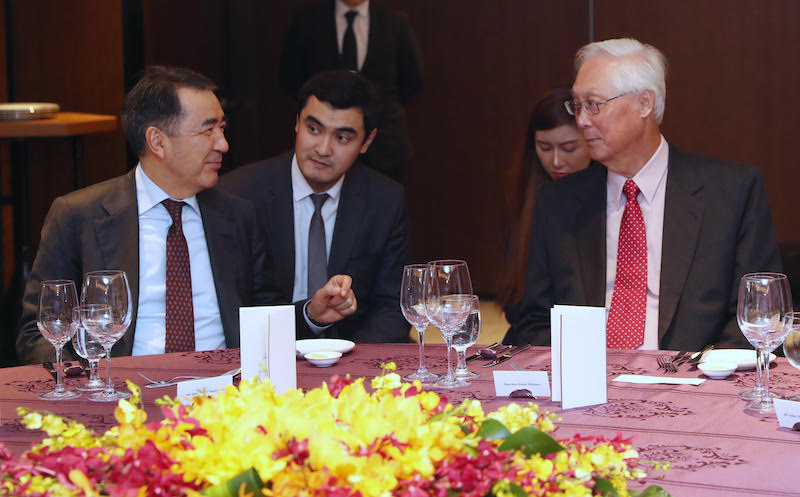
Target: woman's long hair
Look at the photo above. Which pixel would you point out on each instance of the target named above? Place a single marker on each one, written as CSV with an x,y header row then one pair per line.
x,y
523,180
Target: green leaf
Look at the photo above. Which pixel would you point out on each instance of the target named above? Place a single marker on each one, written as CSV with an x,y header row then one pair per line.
x,y
651,491
230,488
531,441
492,429
516,490
605,486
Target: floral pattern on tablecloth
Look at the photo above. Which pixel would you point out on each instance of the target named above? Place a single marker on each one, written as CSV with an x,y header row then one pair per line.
x,y
638,409
689,458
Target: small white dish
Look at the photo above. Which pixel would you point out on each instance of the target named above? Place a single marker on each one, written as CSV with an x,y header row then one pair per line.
x,y
320,344
717,370
323,358
743,358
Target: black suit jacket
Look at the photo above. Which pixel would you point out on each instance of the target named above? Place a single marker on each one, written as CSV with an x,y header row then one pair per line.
x,y
370,241
717,227
392,63
98,228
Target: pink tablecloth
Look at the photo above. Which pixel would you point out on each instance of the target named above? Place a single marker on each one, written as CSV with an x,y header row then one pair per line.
x,y
716,448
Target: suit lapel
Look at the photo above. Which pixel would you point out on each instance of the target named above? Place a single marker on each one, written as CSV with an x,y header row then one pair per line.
x,y
590,229
376,29
683,217
280,226
352,204
118,239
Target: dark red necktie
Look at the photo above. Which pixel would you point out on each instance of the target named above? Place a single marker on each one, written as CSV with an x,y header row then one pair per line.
x,y
180,310
625,327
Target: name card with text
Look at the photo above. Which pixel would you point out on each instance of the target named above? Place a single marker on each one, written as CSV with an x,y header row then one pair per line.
x,y
536,382
267,341
187,390
578,340
788,412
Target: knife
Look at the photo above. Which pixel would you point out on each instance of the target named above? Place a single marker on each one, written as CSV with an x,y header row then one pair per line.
x,y
508,355
482,355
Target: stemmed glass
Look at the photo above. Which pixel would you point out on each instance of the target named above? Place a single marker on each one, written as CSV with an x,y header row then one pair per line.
x,y
764,300
57,300
90,349
791,346
447,293
465,338
107,319
414,311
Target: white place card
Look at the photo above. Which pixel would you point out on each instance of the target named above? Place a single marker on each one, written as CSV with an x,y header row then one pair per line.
x,y
187,390
578,348
653,380
536,382
267,341
788,412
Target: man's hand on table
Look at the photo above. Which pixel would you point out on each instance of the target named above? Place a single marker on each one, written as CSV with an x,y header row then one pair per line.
x,y
333,302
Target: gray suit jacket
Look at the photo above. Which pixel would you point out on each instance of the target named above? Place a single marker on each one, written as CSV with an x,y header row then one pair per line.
x,y
717,227
98,228
370,241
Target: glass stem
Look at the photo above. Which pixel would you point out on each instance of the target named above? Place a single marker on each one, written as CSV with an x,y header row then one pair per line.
x,y
462,359
109,390
59,372
421,334
759,376
450,375
763,365
93,369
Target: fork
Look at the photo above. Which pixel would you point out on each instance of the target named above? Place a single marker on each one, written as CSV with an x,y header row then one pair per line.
x,y
670,363
172,381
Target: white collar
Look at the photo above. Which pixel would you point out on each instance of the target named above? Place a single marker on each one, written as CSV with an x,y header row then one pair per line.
x,y
342,9
301,188
647,179
149,194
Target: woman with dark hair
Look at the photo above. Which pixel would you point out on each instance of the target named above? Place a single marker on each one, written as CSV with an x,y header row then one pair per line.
x,y
554,147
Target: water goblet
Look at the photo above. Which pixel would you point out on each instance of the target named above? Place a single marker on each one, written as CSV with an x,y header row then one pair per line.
x,y
108,321
447,293
764,299
91,350
465,338
57,300
791,345
413,308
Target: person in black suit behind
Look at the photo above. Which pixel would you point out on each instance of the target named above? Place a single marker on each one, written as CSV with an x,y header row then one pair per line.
x,y
380,45
174,123
365,225
706,222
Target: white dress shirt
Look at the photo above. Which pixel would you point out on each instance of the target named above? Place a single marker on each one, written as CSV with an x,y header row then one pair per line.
x,y
360,28
303,210
652,183
154,222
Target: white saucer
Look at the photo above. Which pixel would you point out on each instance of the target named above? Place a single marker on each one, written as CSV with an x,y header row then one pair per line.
x,y
314,345
743,358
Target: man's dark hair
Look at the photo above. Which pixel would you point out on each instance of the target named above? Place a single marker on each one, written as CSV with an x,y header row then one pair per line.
x,y
343,89
154,102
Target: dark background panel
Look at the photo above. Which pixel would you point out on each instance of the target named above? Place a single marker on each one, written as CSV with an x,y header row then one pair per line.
x,y
733,71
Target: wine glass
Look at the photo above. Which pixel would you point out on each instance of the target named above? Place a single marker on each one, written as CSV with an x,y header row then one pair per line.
x,y
465,338
57,300
447,293
413,308
109,320
90,349
764,299
791,345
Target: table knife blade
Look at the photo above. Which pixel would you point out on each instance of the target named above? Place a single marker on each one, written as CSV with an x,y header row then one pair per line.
x,y
508,355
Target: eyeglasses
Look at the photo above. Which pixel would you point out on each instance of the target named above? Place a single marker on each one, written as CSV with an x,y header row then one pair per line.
x,y
590,106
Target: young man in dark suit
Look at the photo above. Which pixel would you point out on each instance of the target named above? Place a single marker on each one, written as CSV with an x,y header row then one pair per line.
x,y
659,236
325,213
183,243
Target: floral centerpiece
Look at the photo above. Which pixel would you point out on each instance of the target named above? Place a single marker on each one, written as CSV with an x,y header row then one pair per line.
x,y
336,440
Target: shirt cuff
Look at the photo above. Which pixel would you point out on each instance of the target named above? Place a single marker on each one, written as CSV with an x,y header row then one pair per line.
x,y
315,328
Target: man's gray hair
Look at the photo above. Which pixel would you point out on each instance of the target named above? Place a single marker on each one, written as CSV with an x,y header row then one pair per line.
x,y
641,67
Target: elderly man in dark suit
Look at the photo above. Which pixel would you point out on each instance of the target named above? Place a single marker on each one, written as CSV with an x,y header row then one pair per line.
x,y
659,236
367,37
325,213
193,254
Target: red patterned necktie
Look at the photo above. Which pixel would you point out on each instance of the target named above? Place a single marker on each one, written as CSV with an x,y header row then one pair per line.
x,y
180,310
625,328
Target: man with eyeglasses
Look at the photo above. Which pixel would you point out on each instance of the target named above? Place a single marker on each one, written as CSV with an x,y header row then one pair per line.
x,y
658,236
